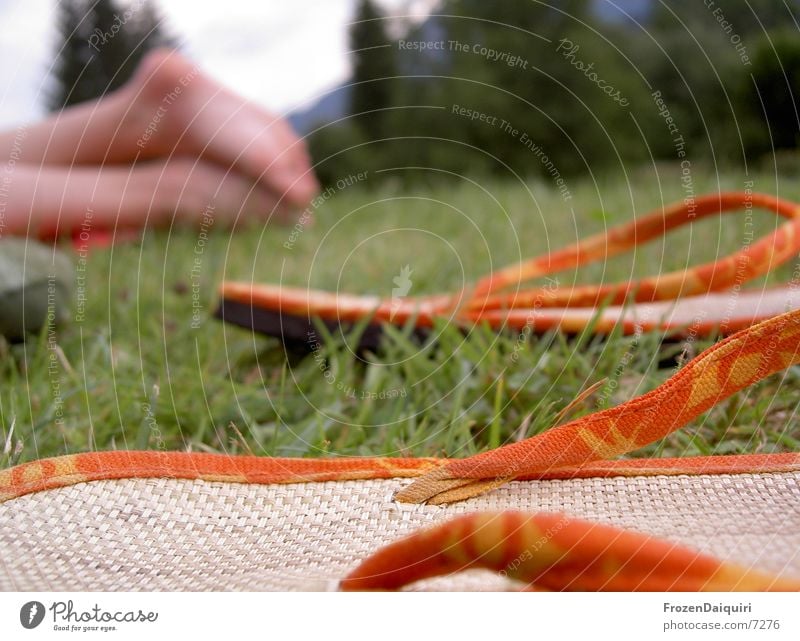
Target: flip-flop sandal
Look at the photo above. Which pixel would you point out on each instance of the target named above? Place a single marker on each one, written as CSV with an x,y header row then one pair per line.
x,y
575,517
701,300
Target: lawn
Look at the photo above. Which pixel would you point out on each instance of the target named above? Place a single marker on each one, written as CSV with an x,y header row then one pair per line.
x,y
145,365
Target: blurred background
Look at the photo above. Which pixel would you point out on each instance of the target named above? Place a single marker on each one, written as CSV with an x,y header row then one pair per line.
x,y
474,134
597,84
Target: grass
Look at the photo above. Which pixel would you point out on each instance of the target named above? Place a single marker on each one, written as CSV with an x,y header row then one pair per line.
x,y
135,373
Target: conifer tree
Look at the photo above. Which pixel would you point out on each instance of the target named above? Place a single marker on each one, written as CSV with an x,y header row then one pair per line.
x,y
100,45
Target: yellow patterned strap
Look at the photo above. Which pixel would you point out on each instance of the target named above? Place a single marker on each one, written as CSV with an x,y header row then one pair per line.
x,y
727,367
554,552
61,471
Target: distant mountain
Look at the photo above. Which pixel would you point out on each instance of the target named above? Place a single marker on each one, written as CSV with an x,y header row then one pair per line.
x,y
332,106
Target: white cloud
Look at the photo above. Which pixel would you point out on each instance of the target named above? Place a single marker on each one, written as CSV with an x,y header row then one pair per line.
x,y
279,54
26,53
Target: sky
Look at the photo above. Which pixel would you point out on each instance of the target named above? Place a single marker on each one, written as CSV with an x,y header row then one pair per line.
x,y
280,54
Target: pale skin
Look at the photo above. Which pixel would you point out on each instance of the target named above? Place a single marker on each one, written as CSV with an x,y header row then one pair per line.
x,y
160,150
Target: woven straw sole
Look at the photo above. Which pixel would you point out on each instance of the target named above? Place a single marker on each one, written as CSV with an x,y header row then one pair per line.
x,y
171,534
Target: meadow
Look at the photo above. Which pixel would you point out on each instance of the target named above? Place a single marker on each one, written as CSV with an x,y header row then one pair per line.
x,y
144,365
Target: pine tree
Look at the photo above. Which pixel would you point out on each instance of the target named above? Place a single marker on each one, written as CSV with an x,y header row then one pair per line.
x,y
101,44
374,66
774,95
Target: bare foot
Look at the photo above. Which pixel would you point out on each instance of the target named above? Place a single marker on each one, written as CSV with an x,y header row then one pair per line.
x,y
153,193
185,112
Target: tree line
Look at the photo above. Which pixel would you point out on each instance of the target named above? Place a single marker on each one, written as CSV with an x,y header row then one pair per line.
x,y
517,87
527,88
